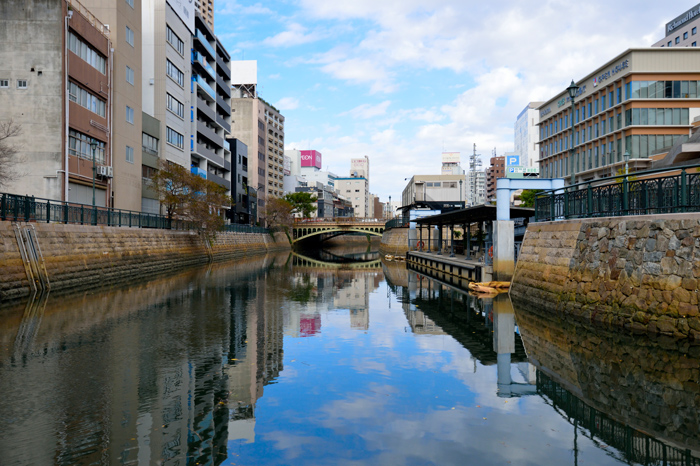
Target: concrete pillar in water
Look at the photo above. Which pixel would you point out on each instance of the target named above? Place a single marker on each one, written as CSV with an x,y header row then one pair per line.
x,y
503,250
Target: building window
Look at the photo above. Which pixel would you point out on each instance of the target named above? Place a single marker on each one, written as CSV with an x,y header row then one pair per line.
x,y
86,99
149,143
129,75
4,83
84,51
129,115
669,43
174,40
685,35
129,154
694,31
21,84
694,44
173,71
678,39
174,138
175,106
129,36
79,146
130,3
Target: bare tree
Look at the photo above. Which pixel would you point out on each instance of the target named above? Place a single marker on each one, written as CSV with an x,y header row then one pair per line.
x,y
9,163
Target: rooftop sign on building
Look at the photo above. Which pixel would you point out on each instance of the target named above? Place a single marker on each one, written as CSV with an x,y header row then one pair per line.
x,y
185,10
450,157
310,158
689,15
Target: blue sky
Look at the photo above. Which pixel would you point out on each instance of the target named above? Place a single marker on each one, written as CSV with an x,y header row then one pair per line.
x,y
402,80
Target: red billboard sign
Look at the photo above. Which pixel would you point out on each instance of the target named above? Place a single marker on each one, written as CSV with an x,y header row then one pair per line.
x,y
310,158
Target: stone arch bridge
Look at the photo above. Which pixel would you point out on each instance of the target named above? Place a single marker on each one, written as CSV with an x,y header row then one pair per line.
x,y
306,228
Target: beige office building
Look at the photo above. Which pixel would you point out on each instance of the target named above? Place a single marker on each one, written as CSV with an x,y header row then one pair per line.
x,y
643,101
123,18
206,9
357,191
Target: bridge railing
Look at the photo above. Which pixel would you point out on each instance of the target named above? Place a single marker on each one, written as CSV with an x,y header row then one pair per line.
x,y
674,190
316,220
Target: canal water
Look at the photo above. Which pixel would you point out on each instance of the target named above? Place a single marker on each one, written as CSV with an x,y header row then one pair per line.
x,y
287,360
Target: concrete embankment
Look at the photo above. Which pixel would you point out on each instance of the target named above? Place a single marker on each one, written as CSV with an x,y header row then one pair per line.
x,y
640,273
81,257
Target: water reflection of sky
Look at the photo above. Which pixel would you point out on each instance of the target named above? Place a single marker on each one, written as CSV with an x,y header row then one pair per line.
x,y
388,396
260,363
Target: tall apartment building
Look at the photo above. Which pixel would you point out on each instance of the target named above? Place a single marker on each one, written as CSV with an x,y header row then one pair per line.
x,y
261,128
123,19
476,188
643,102
210,154
167,44
495,171
527,135
274,122
55,83
206,9
682,31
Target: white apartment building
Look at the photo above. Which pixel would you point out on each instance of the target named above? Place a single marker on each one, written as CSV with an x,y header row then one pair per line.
x,y
357,191
527,135
476,188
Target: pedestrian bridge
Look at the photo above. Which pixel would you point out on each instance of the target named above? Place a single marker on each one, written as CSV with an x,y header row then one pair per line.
x,y
330,227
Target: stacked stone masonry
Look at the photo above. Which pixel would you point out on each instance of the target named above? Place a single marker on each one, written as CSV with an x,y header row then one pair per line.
x,y
640,273
394,241
79,256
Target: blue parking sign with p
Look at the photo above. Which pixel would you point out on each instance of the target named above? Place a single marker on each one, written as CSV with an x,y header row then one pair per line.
x,y
513,160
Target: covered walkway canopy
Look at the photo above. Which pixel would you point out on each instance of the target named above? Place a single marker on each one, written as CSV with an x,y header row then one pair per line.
x,y
474,214
482,215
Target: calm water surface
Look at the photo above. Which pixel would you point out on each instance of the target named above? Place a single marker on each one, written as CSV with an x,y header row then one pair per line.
x,y
280,361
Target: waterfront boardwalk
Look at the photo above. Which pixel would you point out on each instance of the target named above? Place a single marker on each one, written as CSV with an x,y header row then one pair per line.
x,y
457,266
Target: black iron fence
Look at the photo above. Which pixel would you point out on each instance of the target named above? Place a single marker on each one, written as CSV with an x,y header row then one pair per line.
x,y
33,209
397,222
625,195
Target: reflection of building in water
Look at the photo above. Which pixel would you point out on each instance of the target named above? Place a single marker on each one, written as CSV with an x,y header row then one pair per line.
x,y
255,352
313,291
485,327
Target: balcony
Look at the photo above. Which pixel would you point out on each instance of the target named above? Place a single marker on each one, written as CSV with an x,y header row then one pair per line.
x,y
200,172
219,180
202,107
224,124
208,92
223,105
210,134
224,88
223,66
202,39
209,155
227,145
201,61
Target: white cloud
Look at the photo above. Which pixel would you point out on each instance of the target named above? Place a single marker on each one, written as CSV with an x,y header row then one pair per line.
x,y
287,103
366,111
296,34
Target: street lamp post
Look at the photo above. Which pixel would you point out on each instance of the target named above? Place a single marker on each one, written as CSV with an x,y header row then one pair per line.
x,y
391,211
461,203
93,146
626,156
572,90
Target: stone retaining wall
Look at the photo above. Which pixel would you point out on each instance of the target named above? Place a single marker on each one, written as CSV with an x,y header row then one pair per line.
x,y
79,256
394,241
640,273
